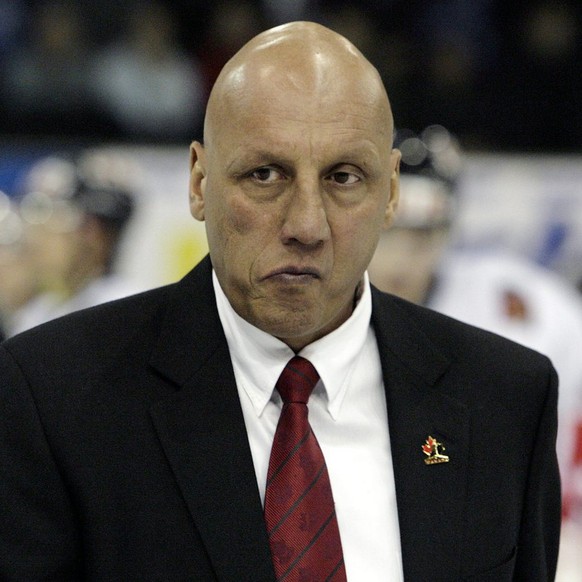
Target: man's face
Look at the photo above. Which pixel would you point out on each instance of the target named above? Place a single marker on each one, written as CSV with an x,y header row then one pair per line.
x,y
295,189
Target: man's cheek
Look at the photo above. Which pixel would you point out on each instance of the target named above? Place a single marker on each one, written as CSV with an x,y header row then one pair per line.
x,y
248,218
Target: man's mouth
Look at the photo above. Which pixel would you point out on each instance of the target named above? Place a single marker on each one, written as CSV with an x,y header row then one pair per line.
x,y
294,274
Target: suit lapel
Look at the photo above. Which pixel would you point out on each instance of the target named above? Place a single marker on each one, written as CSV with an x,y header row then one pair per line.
x,y
430,497
202,431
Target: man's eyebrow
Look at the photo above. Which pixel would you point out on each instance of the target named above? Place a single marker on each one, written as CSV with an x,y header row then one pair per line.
x,y
244,156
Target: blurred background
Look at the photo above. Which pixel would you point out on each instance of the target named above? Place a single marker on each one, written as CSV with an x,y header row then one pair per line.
x,y
99,101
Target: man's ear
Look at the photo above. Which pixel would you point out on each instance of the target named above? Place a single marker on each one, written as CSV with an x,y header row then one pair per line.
x,y
394,196
197,180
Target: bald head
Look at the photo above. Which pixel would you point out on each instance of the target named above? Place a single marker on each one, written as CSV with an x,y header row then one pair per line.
x,y
302,58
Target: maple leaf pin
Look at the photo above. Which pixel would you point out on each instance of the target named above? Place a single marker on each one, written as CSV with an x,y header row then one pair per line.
x,y
432,449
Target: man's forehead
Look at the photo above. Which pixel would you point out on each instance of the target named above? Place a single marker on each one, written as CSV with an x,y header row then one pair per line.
x,y
258,148
302,128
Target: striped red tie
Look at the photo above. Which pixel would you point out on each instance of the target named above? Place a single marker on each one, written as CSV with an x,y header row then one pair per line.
x,y
299,508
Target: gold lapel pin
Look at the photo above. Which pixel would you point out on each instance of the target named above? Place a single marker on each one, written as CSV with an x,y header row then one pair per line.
x,y
431,450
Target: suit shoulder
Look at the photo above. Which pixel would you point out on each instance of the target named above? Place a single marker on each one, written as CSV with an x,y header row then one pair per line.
x,y
457,339
107,325
474,366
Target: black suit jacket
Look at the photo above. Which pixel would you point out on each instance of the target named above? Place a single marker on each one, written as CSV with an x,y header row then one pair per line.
x,y
124,455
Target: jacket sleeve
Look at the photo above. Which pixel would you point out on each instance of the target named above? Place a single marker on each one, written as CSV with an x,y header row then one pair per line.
x,y
537,551
39,538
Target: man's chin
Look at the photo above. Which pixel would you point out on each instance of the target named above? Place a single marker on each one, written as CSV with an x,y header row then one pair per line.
x,y
295,327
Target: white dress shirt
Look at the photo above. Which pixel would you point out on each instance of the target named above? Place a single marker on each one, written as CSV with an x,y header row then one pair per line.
x,y
347,411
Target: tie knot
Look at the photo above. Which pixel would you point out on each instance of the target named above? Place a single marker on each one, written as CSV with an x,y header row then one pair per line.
x,y
297,380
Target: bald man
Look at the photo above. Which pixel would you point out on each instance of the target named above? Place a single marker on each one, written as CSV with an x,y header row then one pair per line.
x,y
138,438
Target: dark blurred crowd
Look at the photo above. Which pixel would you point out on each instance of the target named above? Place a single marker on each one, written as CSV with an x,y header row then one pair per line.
x,y
500,75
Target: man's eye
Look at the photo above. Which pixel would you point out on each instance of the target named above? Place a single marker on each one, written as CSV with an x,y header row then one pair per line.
x,y
266,174
346,178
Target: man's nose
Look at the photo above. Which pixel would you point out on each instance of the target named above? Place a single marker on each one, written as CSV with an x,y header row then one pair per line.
x,y
306,217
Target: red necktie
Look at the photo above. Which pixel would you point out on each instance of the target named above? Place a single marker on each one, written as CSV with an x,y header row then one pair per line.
x,y
299,507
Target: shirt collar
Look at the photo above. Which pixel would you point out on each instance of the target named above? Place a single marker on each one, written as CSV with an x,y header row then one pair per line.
x,y
259,358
